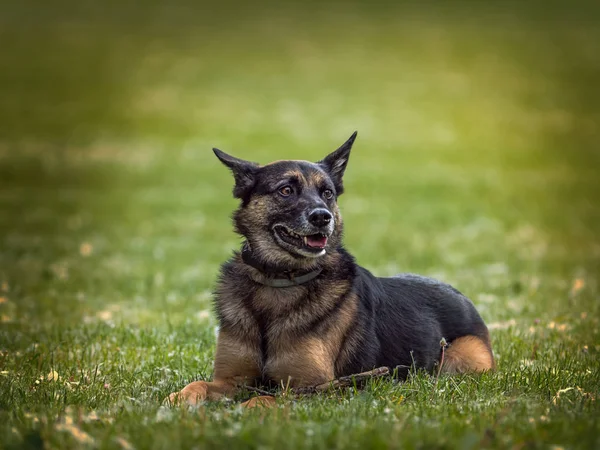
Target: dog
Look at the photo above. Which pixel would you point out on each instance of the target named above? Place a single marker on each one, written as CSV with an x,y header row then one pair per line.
x,y
293,306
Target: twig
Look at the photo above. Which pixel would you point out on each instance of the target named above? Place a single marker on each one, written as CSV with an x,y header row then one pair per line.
x,y
257,390
443,345
345,381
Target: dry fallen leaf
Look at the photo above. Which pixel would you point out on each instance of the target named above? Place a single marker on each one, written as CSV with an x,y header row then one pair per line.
x,y
78,434
104,315
71,385
124,443
3,300
578,285
52,376
86,249
92,416
33,418
561,391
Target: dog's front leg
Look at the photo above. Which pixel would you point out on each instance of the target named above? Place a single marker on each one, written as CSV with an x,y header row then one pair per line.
x,y
301,363
237,362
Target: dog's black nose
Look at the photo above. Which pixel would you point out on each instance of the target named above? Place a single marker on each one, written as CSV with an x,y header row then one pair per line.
x,y
320,217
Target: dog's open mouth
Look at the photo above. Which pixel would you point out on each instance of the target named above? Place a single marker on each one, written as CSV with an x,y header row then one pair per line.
x,y
315,242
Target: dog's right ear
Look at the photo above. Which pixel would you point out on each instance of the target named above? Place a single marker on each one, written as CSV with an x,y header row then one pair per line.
x,y
336,162
244,172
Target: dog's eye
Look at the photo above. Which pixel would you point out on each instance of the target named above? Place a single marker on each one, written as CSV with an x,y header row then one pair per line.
x,y
328,194
286,191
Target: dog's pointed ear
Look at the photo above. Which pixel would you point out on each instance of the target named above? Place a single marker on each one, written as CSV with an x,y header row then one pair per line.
x,y
244,172
336,162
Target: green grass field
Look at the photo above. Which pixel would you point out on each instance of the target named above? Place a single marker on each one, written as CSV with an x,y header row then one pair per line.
x,y
477,163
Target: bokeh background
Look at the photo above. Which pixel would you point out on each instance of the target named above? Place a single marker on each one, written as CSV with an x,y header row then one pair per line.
x,y
478,134
477,161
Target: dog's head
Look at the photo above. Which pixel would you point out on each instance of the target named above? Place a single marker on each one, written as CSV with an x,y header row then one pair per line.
x,y
288,210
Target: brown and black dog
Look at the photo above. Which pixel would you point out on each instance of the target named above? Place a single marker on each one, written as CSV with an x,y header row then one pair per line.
x,y
294,306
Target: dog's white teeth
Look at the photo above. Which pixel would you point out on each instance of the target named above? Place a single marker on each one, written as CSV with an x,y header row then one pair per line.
x,y
305,240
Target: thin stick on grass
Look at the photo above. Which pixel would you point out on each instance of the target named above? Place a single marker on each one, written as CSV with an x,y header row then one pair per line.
x,y
345,381
443,345
257,390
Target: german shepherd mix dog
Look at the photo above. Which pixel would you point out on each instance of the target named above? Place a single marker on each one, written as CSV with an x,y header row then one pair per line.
x,y
294,306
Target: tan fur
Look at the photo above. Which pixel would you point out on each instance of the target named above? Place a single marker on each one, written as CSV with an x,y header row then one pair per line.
x,y
341,330
308,362
293,357
236,359
199,391
297,175
257,211
290,308
278,302
311,360
339,224
237,362
264,401
262,243
317,178
468,354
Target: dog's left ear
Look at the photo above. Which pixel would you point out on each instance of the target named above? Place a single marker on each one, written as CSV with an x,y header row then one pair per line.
x,y
244,172
335,163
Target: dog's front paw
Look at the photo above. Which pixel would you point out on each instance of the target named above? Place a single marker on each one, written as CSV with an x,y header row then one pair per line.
x,y
192,394
263,401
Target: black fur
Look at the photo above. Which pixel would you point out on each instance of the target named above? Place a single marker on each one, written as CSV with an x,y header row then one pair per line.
x,y
403,318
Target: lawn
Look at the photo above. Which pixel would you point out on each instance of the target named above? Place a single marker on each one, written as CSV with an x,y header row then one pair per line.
x,y
476,162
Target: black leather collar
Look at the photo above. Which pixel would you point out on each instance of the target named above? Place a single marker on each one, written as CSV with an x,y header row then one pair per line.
x,y
277,279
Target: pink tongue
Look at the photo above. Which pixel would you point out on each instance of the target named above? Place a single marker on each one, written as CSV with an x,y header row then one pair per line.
x,y
316,241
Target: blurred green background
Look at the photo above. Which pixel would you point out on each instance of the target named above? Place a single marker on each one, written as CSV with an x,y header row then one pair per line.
x,y
478,133
478,139
476,161
477,122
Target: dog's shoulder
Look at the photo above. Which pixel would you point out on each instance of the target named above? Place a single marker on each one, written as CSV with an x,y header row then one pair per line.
x,y
232,278
232,294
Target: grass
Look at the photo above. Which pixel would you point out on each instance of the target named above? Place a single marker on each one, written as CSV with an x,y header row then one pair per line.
x,y
476,163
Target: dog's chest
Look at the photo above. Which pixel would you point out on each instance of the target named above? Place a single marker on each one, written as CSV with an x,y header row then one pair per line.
x,y
274,303
287,352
